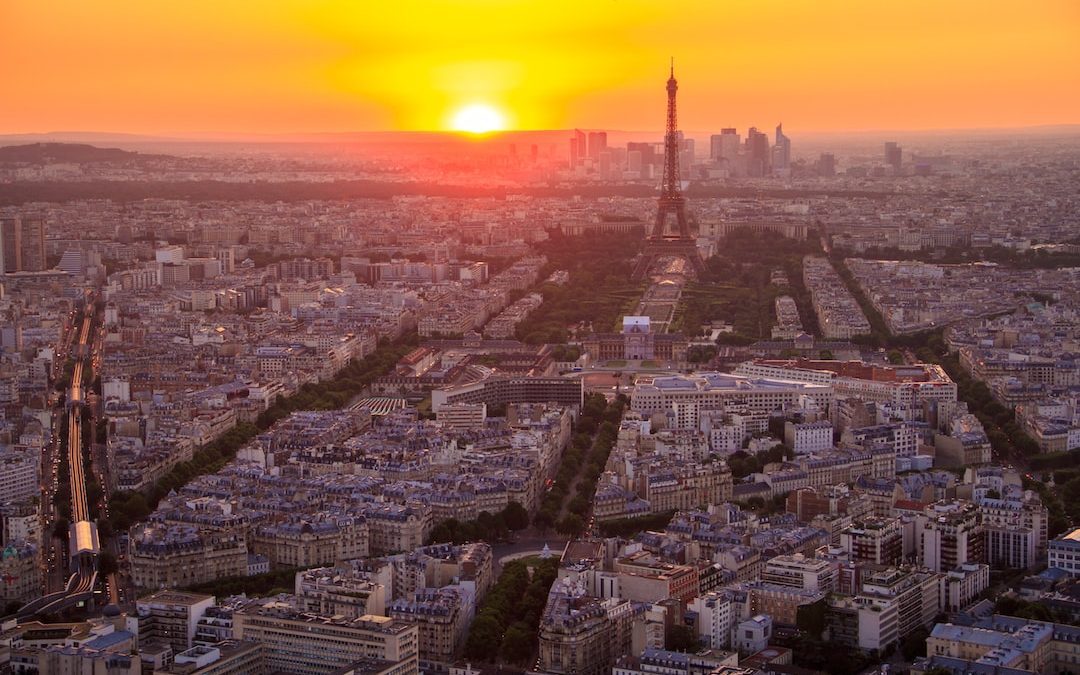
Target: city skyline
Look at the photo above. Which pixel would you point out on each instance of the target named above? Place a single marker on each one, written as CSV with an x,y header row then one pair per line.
x,y
318,357
334,67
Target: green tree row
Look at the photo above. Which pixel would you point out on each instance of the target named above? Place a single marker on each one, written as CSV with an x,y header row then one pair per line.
x,y
582,464
701,353
1033,259
742,463
340,389
1007,437
1036,611
599,289
606,436
628,527
126,507
506,625
737,285
879,331
485,527
256,585
565,353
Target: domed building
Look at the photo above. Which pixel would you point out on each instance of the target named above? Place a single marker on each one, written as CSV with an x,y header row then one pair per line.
x,y
636,342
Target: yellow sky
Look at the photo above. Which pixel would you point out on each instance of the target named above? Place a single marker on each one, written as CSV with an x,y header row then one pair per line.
x,y
188,66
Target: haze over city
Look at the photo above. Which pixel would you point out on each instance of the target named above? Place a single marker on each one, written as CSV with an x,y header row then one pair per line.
x,y
499,337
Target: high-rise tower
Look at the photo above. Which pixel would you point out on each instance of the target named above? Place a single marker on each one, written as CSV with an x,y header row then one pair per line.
x,y
781,152
661,243
22,244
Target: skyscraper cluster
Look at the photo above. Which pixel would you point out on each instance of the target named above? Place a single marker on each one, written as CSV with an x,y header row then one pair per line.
x,y
729,156
754,158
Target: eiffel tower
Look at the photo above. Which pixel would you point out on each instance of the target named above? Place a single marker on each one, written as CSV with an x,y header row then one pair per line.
x,y
680,242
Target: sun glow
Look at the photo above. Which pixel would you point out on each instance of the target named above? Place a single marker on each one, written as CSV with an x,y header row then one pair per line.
x,y
478,118
298,66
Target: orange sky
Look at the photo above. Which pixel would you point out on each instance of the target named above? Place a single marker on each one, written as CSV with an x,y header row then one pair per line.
x,y
189,66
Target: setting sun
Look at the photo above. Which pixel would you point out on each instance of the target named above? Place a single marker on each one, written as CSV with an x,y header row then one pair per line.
x,y
475,66
478,119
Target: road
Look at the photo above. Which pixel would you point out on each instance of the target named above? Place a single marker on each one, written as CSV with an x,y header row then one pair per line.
x,y
79,509
527,544
81,583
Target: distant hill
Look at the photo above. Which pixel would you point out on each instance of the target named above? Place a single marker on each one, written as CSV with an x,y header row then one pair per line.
x,y
78,153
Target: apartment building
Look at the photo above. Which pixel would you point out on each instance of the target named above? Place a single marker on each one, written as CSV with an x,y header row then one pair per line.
x,y
798,571
20,571
229,657
1015,528
310,542
19,475
302,644
950,533
780,602
716,615
712,390
442,617
393,528
582,635
171,617
919,595
174,556
964,584
351,590
808,437
875,540
1063,552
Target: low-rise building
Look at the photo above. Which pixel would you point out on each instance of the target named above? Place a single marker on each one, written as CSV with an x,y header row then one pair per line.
x,y
351,590
808,437
230,657
172,556
171,617
442,616
1063,552
301,643
964,584
310,542
798,571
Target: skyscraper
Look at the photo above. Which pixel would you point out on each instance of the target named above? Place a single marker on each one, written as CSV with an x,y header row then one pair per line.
x,y
22,244
826,164
597,144
577,148
604,164
757,153
686,154
893,155
724,148
645,151
781,152
714,146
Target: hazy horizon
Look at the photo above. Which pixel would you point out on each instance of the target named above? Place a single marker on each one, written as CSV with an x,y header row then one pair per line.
x,y
315,136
